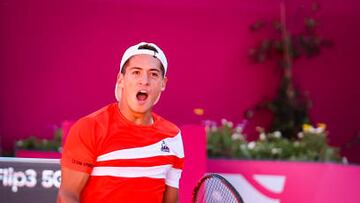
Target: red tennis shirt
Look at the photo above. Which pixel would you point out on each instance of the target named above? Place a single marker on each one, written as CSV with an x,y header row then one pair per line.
x,y
126,162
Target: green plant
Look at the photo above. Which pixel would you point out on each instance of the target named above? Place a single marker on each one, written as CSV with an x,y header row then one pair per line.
x,y
311,144
290,106
225,140
34,143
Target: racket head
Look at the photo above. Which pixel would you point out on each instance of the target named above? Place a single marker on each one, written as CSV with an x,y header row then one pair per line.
x,y
213,188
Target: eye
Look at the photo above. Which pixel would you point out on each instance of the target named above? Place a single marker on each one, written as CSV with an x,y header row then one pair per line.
x,y
154,74
135,72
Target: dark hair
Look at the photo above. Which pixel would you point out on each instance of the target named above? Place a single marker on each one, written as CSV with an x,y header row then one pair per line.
x,y
148,47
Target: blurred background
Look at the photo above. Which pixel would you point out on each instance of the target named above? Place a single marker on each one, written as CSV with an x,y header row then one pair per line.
x,y
59,61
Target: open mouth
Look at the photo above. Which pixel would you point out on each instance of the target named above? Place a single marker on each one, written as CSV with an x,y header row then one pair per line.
x,y
142,95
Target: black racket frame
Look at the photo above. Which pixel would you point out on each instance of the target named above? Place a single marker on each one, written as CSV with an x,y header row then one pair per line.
x,y
223,180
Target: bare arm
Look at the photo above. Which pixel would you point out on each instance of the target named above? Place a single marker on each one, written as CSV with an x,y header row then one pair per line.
x,y
170,195
72,183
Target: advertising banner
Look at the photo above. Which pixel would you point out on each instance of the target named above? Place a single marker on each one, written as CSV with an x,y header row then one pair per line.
x,y
290,182
29,180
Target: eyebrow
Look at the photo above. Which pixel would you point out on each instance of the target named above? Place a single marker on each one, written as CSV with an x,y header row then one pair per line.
x,y
138,68
154,69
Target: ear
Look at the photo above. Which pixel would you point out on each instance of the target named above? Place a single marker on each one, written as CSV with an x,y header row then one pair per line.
x,y
163,83
120,80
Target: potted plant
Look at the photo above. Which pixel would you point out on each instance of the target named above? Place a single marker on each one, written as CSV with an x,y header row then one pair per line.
x,y
34,147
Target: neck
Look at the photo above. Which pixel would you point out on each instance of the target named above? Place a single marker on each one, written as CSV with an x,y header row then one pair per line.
x,y
136,117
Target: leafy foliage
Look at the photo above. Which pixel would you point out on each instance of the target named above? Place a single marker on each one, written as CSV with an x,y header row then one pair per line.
x,y
311,144
34,143
290,106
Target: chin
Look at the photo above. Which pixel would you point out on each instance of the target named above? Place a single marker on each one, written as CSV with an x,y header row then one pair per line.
x,y
142,109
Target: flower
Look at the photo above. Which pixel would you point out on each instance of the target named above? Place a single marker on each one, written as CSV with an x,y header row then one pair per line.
x,y
243,146
307,128
20,143
260,129
275,151
208,123
223,121
252,145
320,128
231,142
277,134
296,144
213,128
321,125
237,136
262,136
238,129
227,123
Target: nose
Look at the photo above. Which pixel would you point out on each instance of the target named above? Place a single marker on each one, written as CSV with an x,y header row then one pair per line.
x,y
144,79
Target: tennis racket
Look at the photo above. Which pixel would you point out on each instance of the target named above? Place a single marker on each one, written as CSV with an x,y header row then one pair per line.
x,y
213,188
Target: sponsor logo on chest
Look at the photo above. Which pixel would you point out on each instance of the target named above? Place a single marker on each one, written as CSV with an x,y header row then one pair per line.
x,y
164,147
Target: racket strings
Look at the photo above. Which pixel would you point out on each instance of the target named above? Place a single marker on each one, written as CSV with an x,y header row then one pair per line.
x,y
213,190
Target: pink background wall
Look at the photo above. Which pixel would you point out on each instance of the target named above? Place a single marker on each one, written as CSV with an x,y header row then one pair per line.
x,y
59,60
303,181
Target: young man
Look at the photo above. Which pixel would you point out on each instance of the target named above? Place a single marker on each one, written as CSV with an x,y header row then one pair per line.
x,y
124,152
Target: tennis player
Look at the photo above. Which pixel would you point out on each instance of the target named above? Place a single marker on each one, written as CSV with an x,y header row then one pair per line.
x,y
124,152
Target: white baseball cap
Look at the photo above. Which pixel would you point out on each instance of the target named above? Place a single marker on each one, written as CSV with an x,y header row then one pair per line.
x,y
141,48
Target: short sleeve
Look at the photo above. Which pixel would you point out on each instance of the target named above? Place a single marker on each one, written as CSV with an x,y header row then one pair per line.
x,y
174,174
79,152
